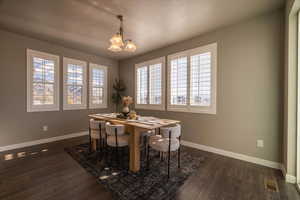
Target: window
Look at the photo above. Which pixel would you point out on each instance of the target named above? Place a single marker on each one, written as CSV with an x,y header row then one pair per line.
x,y
150,78
75,88
142,85
200,79
98,86
178,80
42,81
192,80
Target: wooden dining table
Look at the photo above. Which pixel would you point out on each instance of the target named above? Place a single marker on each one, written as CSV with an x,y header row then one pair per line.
x,y
135,128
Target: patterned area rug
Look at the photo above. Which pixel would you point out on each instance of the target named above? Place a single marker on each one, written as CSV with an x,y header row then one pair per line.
x,y
149,184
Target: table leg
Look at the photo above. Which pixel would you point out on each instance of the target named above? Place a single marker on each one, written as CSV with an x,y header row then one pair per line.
x,y
134,162
94,145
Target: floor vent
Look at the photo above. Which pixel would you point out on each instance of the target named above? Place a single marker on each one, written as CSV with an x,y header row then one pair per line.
x,y
271,185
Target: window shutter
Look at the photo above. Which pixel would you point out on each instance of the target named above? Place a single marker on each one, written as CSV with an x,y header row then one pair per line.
x,y
75,84
178,76
43,81
98,86
155,87
142,85
200,84
192,82
149,84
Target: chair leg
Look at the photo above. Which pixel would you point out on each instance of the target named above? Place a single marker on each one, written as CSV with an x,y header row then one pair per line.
x,y
179,153
117,149
90,138
169,154
99,149
106,148
103,150
178,158
100,138
111,156
117,157
122,157
148,155
146,141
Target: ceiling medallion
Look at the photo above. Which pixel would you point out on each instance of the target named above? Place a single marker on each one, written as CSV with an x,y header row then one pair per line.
x,y
117,41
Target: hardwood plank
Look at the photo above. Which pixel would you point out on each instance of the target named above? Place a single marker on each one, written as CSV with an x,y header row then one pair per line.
x,y
54,175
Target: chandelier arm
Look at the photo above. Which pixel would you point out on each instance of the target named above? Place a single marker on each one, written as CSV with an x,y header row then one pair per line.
x,y
120,17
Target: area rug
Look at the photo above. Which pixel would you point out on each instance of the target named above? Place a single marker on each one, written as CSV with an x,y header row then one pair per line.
x,y
151,184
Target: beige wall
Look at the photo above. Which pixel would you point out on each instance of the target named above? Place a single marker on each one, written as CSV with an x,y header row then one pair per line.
x,y
250,88
17,125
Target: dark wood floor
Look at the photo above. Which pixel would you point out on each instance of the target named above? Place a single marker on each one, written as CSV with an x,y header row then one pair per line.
x,y
53,174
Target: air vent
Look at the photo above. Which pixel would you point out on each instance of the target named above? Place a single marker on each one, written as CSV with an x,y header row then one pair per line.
x,y
271,185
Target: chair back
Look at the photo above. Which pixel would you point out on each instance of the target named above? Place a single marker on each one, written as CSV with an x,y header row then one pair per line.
x,y
111,129
95,124
175,131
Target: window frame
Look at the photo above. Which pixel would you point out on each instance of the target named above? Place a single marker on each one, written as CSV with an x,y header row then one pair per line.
x,y
41,108
105,92
212,109
148,106
67,106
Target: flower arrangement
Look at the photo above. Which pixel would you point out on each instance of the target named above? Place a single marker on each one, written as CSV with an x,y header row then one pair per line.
x,y
127,101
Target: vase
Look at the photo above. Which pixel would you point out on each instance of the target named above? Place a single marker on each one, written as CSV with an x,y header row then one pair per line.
x,y
125,110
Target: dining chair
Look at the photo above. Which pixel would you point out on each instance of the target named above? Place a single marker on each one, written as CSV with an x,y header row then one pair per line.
x,y
116,138
97,132
144,142
167,142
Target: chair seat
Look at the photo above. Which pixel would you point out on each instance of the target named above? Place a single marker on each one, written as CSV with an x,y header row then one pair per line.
x,y
95,134
162,144
174,130
154,138
122,140
148,133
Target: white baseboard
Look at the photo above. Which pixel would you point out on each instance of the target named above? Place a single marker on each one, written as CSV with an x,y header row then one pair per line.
x,y
243,157
283,170
288,178
42,141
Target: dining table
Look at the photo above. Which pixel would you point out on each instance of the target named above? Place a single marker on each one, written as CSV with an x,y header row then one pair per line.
x,y
135,127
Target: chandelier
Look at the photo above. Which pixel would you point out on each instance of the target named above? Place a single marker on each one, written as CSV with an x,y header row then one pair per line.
x,y
117,41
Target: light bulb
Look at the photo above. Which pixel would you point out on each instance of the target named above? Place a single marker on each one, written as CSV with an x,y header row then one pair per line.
x,y
130,46
117,39
115,48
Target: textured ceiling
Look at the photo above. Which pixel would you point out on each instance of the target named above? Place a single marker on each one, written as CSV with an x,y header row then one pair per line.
x,y
87,25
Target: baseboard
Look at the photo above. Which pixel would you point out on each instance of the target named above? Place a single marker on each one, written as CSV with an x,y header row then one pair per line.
x,y
42,141
230,154
283,170
288,178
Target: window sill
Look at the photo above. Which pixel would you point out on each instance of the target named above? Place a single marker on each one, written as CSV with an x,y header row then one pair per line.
x,y
97,106
42,109
75,107
150,107
192,109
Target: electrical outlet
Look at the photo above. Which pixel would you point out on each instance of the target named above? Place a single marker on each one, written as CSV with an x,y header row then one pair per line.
x,y
260,143
45,128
